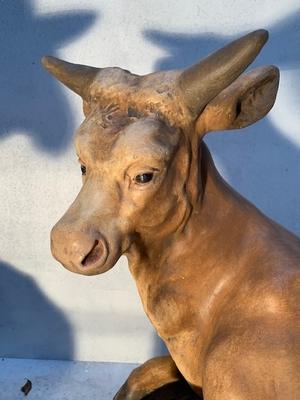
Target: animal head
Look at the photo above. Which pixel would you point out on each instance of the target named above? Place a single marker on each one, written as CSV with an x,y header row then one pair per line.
x,y
138,146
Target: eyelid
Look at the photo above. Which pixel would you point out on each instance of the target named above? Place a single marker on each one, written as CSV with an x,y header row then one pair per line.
x,y
133,171
138,167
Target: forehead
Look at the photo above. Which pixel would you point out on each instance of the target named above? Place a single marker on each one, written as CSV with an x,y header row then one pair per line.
x,y
114,134
146,137
149,94
98,133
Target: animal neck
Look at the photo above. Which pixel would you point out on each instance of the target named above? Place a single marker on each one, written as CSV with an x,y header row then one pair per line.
x,y
201,265
216,231
222,223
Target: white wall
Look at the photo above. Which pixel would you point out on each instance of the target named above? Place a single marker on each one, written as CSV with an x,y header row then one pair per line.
x,y
45,311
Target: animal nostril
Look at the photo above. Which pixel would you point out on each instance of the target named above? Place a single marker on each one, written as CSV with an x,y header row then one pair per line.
x,y
94,254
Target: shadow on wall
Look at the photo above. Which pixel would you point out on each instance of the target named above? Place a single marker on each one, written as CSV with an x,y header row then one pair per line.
x,y
30,99
258,161
159,348
30,325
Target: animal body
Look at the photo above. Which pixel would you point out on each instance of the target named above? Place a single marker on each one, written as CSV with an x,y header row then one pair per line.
x,y
219,281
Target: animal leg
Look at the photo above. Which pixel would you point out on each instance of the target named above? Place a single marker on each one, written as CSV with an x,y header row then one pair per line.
x,y
151,375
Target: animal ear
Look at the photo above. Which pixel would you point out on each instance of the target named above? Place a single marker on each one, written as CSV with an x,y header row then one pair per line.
x,y
243,102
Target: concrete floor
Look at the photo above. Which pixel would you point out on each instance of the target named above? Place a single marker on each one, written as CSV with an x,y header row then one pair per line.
x,y
61,380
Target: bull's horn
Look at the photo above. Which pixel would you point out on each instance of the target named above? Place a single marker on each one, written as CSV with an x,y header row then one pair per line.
x,y
75,76
203,81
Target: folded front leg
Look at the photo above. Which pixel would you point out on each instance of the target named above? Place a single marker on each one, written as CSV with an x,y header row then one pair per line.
x,y
148,377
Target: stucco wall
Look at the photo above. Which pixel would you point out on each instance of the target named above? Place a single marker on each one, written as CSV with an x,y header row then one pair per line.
x,y
45,311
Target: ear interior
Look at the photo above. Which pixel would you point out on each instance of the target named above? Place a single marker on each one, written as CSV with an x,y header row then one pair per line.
x,y
242,103
256,102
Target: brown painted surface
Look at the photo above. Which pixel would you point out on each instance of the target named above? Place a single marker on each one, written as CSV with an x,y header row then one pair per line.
x,y
219,281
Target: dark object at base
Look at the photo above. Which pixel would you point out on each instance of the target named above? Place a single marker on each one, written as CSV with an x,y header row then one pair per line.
x,y
27,387
174,391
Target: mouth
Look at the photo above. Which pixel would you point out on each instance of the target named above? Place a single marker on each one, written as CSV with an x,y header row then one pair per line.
x,y
93,262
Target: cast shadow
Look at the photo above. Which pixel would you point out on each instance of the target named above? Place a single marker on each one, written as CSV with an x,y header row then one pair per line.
x,y
31,101
158,347
270,172
184,49
30,325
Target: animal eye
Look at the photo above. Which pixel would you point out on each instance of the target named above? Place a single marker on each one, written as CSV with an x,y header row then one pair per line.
x,y
144,178
83,169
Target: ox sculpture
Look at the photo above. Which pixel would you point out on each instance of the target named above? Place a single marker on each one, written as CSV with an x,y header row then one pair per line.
x,y
219,280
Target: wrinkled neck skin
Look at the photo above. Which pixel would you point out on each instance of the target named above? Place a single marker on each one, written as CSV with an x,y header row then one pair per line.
x,y
208,208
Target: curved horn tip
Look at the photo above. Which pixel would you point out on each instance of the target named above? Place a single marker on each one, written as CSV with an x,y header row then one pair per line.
x,y
49,61
76,77
203,81
45,59
261,34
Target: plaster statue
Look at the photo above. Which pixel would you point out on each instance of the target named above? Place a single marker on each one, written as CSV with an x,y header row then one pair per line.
x,y
219,280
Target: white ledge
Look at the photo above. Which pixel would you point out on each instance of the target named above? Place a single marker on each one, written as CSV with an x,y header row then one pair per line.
x,y
61,380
